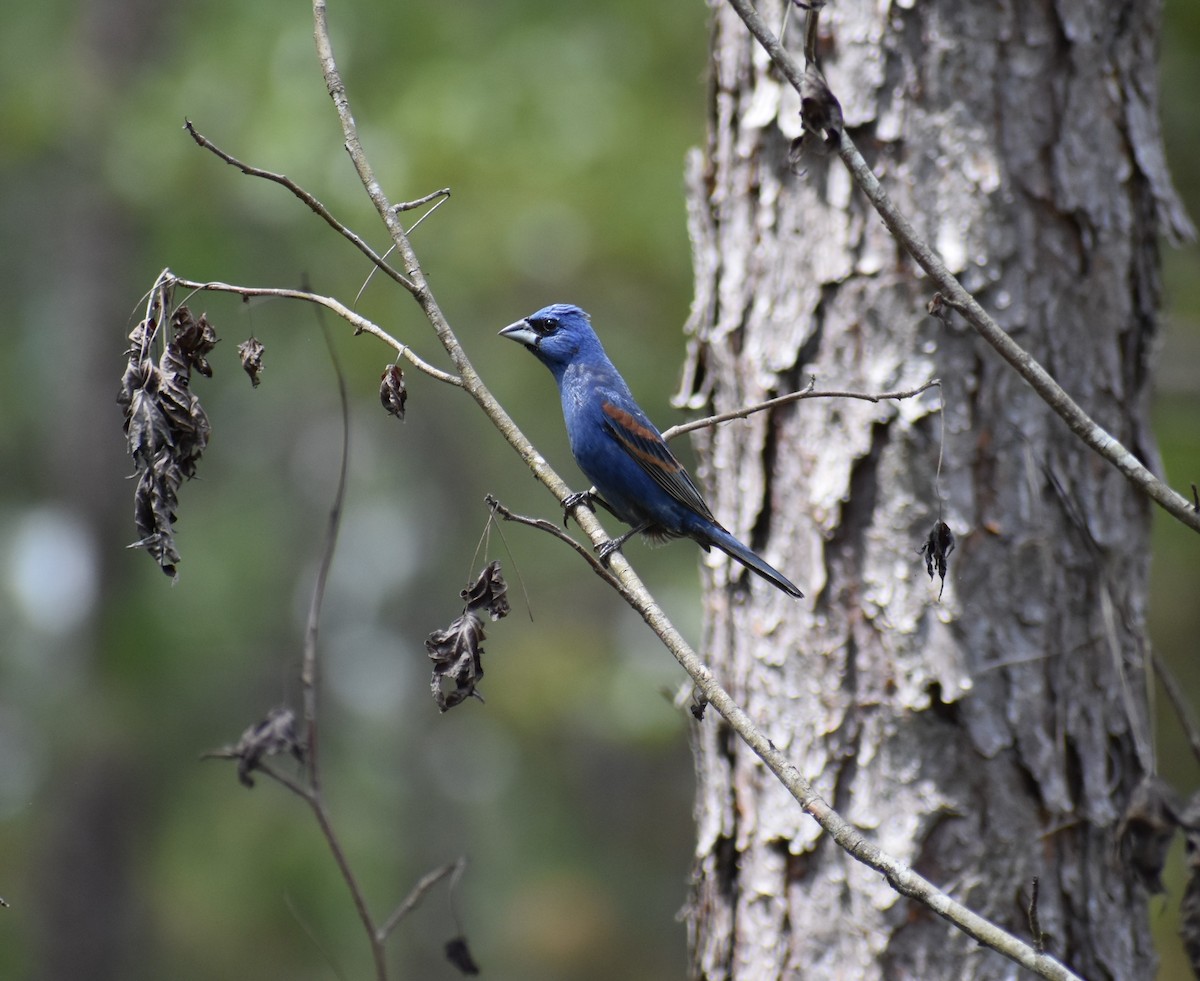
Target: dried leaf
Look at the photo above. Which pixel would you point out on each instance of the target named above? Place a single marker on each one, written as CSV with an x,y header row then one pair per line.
x,y
937,549
194,339
457,650
392,392
166,428
251,352
458,954
456,654
1147,829
273,735
489,591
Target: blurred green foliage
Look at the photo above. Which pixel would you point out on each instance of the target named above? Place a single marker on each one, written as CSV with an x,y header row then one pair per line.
x,y
561,128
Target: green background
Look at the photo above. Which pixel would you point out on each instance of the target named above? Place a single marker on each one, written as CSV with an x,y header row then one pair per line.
x,y
561,128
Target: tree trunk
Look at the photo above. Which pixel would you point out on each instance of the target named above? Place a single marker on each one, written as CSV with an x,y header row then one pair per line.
x,y
994,735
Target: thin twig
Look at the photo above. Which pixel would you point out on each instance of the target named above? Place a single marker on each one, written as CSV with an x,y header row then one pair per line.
x,y
416,894
1035,923
468,376
360,324
807,393
442,194
1179,702
378,954
309,676
313,938
304,196
485,539
953,294
263,767
551,528
309,667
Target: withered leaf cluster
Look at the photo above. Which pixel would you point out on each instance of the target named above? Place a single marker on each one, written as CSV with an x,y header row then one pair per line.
x,y
273,735
166,428
457,650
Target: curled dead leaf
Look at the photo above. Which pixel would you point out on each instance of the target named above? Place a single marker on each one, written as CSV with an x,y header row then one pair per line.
x,y
457,650
251,352
392,391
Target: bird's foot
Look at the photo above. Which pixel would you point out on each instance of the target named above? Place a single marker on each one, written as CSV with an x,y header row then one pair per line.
x,y
585,498
605,552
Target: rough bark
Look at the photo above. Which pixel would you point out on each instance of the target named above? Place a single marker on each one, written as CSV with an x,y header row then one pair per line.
x,y
994,735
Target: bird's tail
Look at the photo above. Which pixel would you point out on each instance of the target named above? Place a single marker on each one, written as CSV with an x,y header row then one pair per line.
x,y
734,549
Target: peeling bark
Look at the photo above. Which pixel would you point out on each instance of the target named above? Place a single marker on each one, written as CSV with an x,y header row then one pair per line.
x,y
996,735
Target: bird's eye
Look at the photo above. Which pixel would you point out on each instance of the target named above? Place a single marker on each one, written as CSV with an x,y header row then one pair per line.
x,y
545,325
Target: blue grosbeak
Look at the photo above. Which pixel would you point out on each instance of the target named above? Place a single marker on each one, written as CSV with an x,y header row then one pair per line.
x,y
616,445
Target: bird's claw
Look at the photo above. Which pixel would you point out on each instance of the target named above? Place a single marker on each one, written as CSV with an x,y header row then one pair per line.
x,y
572,501
605,552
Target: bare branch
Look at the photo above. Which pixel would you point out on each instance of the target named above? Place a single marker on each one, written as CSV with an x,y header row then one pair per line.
x,y
807,393
468,377
1035,923
309,667
360,323
263,767
417,893
1179,702
309,676
954,295
317,804
309,199
442,193
551,528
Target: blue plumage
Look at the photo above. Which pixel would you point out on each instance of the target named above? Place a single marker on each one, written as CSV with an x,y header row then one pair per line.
x,y
617,446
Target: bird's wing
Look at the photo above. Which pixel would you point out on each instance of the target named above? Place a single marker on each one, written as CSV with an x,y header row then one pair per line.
x,y
634,433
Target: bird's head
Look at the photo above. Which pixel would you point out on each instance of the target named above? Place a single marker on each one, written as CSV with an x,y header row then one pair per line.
x,y
557,335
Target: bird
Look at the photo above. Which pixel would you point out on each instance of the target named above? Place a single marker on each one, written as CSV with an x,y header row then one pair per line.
x,y
618,448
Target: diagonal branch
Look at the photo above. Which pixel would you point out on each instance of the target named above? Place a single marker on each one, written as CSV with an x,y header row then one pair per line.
x,y
631,588
955,296
417,893
420,290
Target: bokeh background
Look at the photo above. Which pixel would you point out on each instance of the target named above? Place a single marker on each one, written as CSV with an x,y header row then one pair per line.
x,y
561,128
